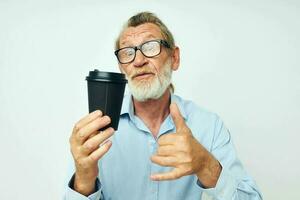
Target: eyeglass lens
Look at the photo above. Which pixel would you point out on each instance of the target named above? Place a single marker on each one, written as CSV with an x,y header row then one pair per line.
x,y
148,49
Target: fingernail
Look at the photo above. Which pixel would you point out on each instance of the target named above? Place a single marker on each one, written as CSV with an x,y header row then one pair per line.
x,y
98,112
111,129
106,119
108,143
152,177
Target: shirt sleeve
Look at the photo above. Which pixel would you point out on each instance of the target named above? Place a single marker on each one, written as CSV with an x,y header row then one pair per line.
x,y
71,194
234,183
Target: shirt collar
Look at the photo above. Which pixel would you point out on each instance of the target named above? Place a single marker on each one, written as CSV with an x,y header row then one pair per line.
x,y
127,106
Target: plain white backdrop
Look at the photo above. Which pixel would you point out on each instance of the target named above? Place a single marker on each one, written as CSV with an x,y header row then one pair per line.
x,y
239,59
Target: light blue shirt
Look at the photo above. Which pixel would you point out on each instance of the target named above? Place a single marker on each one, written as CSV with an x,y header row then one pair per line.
x,y
126,168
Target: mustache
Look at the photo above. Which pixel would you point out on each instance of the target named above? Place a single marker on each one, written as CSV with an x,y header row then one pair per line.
x,y
141,72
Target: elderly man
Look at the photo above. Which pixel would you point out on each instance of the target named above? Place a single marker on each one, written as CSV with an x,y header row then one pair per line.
x,y
165,147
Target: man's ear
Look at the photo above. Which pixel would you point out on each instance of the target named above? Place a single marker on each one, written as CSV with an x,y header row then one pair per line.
x,y
175,58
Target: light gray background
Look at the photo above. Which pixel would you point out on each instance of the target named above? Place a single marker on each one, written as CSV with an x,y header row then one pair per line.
x,y
240,59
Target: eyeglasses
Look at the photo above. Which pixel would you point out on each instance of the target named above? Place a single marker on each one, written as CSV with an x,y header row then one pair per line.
x,y
149,49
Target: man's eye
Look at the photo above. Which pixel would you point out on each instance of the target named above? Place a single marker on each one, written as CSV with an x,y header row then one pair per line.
x,y
129,52
148,47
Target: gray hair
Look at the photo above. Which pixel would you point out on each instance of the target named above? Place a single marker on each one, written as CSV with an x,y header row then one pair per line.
x,y
147,17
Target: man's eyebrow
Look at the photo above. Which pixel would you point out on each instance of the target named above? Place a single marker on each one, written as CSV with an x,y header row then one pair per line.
x,y
123,43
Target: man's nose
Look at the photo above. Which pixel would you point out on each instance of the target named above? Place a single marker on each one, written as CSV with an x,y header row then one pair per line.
x,y
140,60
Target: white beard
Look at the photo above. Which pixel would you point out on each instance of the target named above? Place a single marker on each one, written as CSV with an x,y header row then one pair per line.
x,y
152,89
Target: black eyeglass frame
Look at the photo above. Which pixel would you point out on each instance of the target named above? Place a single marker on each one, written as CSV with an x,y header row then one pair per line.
x,y
161,42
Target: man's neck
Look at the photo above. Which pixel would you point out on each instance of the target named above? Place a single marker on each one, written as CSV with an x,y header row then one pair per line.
x,y
153,111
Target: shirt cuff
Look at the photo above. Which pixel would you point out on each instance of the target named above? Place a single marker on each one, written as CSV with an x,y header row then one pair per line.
x,y
225,188
74,195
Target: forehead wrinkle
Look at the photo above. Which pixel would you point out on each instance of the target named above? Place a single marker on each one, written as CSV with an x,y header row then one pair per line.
x,y
141,33
150,36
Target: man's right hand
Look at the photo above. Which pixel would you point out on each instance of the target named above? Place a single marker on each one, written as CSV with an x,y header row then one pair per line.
x,y
87,148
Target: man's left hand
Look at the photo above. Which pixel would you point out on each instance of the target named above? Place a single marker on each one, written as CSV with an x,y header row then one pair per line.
x,y
185,154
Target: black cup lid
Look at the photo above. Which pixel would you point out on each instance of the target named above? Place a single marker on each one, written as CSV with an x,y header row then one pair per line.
x,y
97,75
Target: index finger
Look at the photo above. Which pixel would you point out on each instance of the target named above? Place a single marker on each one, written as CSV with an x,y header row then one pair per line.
x,y
87,119
171,175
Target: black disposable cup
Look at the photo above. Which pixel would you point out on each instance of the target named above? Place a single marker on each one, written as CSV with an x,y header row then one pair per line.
x,y
105,93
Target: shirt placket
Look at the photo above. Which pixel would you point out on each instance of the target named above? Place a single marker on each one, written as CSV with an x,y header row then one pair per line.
x,y
153,168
